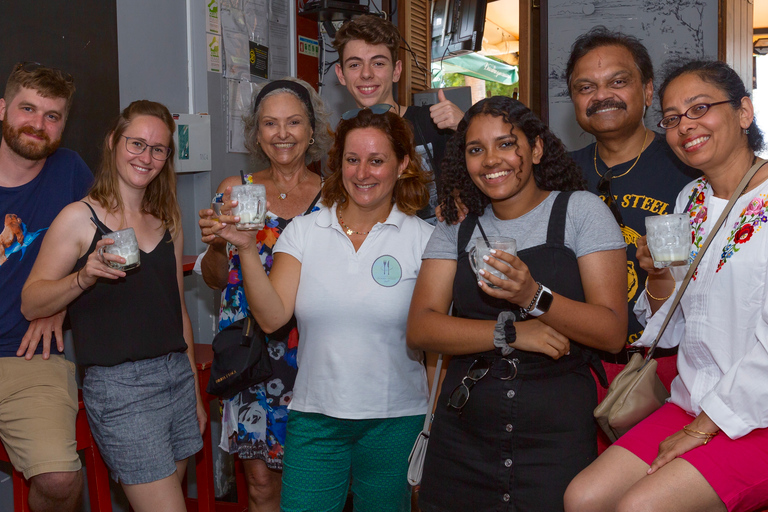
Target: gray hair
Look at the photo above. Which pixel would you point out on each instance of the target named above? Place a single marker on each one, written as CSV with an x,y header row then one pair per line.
x,y
322,134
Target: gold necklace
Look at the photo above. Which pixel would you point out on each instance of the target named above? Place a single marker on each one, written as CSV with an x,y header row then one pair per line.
x,y
347,229
283,195
642,148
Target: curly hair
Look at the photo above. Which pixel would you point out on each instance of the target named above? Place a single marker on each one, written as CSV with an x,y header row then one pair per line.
x,y
556,171
599,37
370,29
323,134
722,76
160,196
411,193
48,82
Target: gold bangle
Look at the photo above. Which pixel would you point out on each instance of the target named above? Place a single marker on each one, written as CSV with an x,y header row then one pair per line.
x,y
650,295
698,434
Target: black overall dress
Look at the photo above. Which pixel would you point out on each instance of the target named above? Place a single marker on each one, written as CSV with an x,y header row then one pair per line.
x,y
518,442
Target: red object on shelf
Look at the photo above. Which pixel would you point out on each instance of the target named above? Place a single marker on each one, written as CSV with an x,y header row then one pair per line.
x,y
188,263
96,470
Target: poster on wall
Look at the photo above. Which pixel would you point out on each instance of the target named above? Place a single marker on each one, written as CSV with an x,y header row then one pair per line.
x,y
668,28
212,23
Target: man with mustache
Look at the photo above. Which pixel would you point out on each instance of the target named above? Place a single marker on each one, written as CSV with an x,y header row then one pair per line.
x,y
38,393
610,81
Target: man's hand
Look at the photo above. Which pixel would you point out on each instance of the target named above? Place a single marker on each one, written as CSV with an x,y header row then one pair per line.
x,y
42,327
445,114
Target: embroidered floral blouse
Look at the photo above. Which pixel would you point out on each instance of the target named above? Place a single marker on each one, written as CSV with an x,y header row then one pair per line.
x,y
722,324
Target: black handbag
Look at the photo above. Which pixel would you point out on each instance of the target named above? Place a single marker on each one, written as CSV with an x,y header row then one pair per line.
x,y
240,358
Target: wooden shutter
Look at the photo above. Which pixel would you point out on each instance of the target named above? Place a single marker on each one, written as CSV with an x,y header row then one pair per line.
x,y
414,24
735,36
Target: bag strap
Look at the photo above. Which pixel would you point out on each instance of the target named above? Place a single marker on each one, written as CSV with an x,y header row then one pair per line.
x,y
314,202
687,279
433,396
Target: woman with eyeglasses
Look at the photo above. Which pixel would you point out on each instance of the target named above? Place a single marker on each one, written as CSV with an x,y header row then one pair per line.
x,y
286,129
347,272
706,449
513,423
131,328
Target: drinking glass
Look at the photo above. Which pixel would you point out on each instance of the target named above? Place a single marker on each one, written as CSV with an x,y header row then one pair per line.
x,y
125,246
483,248
251,206
669,239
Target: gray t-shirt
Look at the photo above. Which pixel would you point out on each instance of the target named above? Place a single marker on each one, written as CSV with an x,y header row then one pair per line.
x,y
590,227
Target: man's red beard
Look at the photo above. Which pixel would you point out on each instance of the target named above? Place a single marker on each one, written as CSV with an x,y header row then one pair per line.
x,y
26,148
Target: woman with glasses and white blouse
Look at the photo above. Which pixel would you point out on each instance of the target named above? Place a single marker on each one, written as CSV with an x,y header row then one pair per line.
x,y
706,449
131,328
347,272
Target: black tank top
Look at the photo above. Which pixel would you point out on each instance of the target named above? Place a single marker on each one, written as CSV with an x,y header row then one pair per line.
x,y
133,318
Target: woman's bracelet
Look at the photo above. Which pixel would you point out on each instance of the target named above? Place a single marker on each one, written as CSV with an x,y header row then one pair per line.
x,y
698,434
650,295
77,278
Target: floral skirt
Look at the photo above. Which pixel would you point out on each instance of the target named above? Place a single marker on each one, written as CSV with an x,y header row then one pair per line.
x,y
254,421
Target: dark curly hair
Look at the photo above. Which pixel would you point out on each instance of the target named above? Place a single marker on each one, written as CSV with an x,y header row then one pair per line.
x,y
722,76
411,193
556,171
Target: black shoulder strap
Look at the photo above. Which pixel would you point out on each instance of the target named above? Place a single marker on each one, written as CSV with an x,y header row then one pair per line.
x,y
314,202
466,228
96,218
556,228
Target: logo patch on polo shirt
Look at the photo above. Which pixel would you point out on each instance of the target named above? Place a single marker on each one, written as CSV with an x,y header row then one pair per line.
x,y
386,271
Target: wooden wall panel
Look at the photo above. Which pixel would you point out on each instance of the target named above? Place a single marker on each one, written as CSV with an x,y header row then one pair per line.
x,y
414,24
735,36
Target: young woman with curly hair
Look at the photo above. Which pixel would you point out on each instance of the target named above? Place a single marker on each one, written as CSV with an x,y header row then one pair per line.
x,y
513,423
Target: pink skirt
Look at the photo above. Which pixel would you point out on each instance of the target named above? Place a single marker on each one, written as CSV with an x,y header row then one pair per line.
x,y
737,469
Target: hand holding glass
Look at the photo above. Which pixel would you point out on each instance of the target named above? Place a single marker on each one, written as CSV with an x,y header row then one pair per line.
x,y
125,246
251,206
669,239
483,248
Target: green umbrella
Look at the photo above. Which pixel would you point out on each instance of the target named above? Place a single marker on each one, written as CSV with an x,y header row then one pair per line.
x,y
476,65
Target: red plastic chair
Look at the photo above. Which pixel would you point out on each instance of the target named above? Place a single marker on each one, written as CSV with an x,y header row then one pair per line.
x,y
96,470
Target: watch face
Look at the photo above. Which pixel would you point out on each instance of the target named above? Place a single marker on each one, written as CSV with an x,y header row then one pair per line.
x,y
545,301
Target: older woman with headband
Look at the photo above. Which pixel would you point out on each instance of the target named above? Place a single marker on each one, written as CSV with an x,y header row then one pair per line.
x,y
287,128
347,271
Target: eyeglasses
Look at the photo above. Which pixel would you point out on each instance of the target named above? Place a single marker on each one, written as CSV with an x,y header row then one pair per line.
x,y
695,112
460,395
604,189
31,67
137,146
379,108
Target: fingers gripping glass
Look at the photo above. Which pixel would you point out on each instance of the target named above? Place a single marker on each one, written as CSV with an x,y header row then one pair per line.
x,y
379,108
460,395
137,146
695,112
604,189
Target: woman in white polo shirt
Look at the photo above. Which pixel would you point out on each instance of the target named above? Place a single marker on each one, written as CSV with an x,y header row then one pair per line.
x,y
348,271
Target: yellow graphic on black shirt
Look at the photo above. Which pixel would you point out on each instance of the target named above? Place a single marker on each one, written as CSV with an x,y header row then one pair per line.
x,y
630,238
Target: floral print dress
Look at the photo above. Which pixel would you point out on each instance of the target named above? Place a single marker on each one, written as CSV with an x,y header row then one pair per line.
x,y
254,421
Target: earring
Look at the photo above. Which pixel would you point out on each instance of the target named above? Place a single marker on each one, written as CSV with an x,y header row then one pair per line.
x,y
746,132
311,141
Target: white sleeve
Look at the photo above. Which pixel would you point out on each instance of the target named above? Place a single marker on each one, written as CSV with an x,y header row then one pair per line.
x,y
737,404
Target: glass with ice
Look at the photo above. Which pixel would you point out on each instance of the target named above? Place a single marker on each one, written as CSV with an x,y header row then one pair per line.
x,y
669,239
483,248
251,206
125,246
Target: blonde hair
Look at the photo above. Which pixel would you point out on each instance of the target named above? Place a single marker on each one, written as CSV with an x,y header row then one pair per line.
x,y
160,196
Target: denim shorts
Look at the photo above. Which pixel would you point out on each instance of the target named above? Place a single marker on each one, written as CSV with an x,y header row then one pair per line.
x,y
143,416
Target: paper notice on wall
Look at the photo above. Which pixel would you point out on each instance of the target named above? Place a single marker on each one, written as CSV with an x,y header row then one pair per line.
x,y
214,52
213,24
236,55
280,40
239,102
